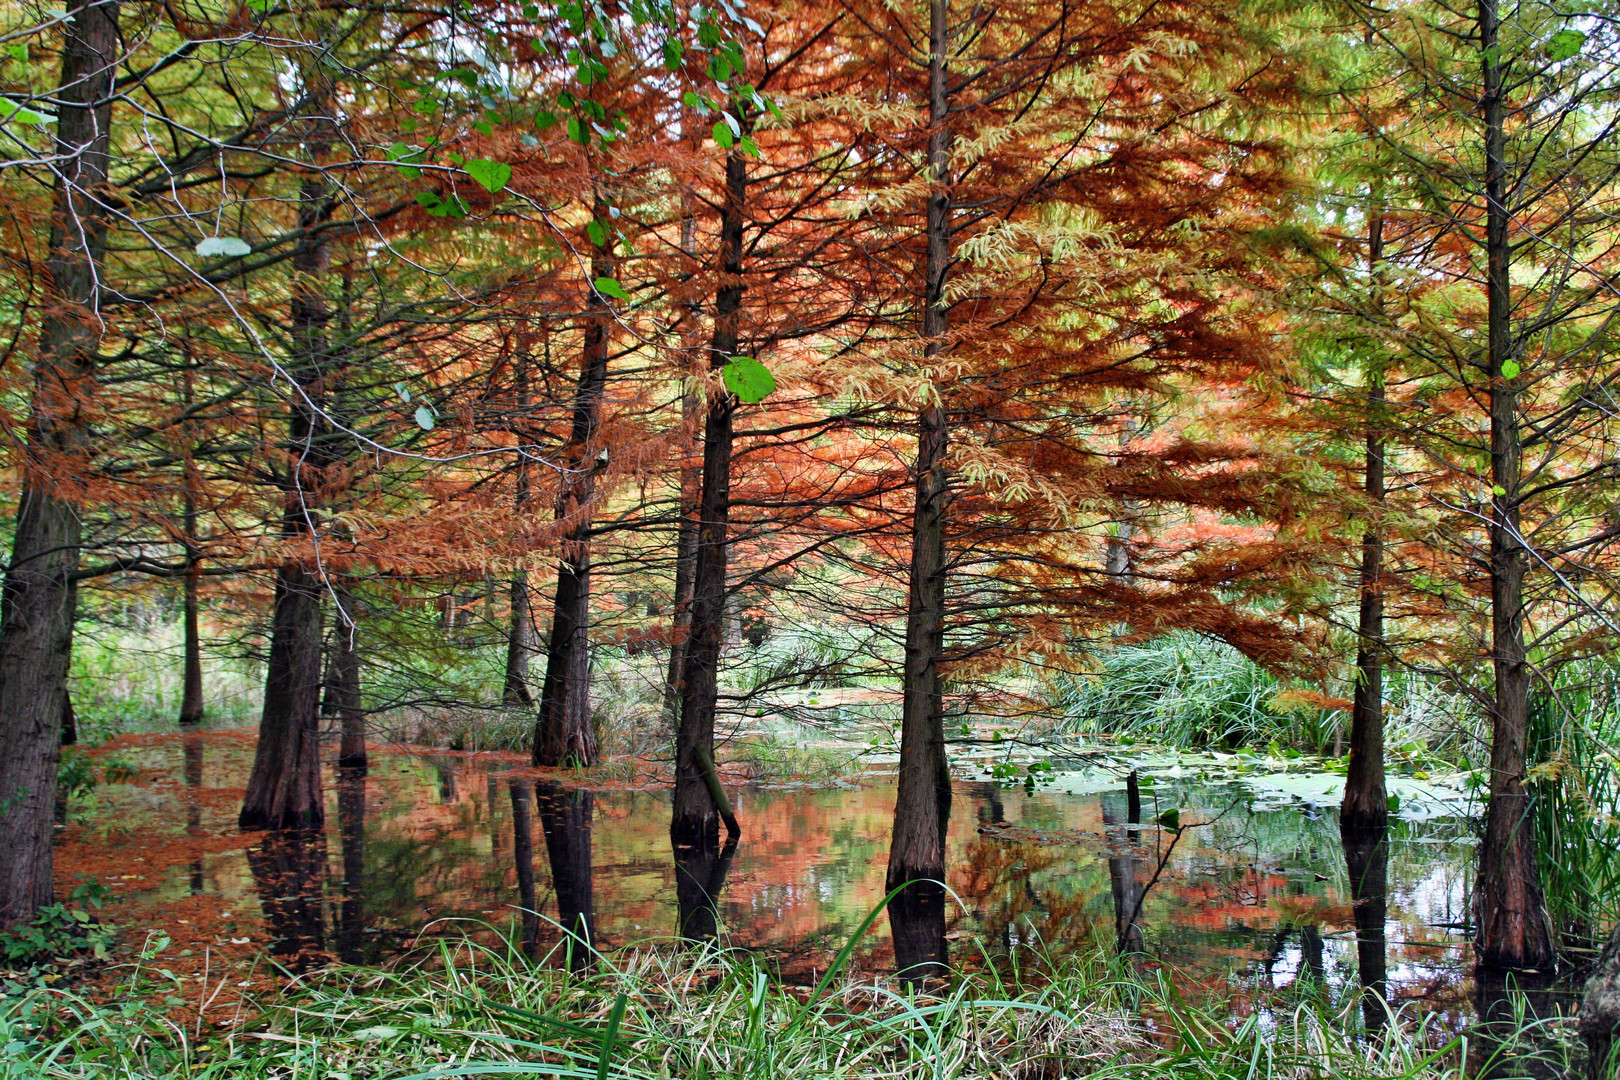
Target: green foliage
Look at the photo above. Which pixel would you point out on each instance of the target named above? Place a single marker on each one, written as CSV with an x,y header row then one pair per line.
x,y
1185,690
712,1012
59,931
749,379
1576,787
79,774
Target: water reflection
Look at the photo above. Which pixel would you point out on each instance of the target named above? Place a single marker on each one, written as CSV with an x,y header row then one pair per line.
x,y
424,846
701,866
917,924
1367,860
192,772
565,816
522,793
351,797
1510,1040
289,871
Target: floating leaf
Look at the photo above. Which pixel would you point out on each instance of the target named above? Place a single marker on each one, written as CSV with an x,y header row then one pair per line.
x,y
1565,44
749,379
609,287
424,418
489,175
229,246
1170,819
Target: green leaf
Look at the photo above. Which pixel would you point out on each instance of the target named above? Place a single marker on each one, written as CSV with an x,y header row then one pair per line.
x,y
609,287
1510,369
428,199
749,379
597,234
723,136
1565,44
1393,802
749,146
424,418
18,51
1498,489
672,55
544,119
489,175
578,131
10,110
1170,819
483,127
228,246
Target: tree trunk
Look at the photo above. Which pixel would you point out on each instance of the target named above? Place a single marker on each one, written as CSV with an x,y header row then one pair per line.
x,y
1600,1011
923,804
563,734
1513,931
520,635
38,603
565,816
691,482
284,789
1365,811
345,687
700,801
523,857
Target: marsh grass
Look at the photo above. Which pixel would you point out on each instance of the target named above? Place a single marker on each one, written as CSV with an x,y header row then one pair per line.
x,y
466,1009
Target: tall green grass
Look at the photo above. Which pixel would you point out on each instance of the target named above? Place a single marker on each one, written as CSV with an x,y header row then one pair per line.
x,y
709,1012
1575,781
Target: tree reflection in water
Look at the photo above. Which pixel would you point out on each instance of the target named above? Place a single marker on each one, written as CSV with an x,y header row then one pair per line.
x,y
565,816
701,866
351,796
522,792
917,925
1366,857
289,868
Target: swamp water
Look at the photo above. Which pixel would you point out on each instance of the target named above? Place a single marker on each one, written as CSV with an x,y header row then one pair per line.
x,y
1255,897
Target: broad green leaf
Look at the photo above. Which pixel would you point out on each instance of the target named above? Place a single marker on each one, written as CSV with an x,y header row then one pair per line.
x,y
1170,819
749,379
1393,802
578,131
489,175
1510,369
597,234
723,136
609,287
1565,44
749,146
229,246
10,110
424,418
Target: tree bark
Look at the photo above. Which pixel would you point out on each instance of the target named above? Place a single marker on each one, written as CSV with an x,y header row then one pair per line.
x,y
923,803
1513,930
563,734
1365,811
520,635
38,603
565,817
691,485
1600,1011
345,685
284,789
700,801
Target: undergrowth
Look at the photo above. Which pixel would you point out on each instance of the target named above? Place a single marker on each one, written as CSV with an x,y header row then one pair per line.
x,y
657,1013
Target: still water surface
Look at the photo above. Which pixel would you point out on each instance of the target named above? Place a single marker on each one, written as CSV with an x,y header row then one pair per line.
x,y
1256,895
